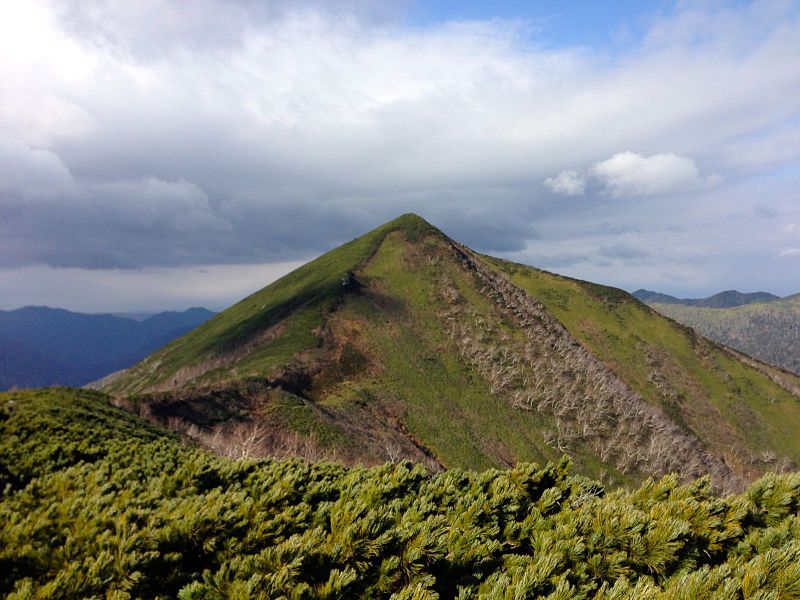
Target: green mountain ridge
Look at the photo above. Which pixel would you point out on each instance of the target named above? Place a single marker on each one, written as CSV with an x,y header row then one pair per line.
x,y
726,299
769,332
404,344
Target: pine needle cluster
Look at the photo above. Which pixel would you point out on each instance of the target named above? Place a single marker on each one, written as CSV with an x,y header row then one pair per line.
x,y
96,503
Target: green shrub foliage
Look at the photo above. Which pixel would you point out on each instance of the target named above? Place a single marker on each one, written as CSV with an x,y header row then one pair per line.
x,y
96,503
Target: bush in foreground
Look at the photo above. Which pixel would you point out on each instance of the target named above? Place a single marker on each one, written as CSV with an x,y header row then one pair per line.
x,y
98,503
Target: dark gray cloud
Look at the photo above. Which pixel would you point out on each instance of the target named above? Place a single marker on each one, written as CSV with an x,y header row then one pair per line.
x,y
624,251
249,132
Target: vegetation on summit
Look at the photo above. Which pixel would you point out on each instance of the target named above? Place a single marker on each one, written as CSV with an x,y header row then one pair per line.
x,y
97,503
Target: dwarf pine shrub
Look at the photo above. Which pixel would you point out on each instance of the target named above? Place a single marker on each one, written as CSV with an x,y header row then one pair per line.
x,y
95,503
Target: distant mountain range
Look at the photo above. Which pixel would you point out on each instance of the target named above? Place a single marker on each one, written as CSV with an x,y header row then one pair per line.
x,y
726,299
768,330
42,346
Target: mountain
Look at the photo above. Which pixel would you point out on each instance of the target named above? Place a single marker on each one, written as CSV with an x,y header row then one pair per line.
x,y
731,298
406,344
648,297
46,346
18,363
98,504
726,299
769,332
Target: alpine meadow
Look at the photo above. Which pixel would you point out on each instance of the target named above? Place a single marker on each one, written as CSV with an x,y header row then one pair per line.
x,y
304,300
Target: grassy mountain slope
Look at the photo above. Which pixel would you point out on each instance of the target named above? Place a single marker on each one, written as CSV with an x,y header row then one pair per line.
x,y
769,332
266,329
700,385
404,343
96,503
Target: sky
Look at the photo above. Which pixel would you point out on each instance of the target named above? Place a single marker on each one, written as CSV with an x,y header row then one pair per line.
x,y
165,154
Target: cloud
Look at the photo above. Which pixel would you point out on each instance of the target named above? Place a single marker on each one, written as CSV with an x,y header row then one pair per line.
x,y
213,286
567,183
557,261
250,132
61,222
25,170
628,174
790,252
624,252
791,228
631,174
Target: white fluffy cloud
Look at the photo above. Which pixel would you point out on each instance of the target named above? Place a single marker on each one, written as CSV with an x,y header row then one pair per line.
x,y
631,174
567,183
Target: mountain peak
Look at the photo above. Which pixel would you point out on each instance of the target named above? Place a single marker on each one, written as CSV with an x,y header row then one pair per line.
x,y
410,217
403,344
308,294
413,226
